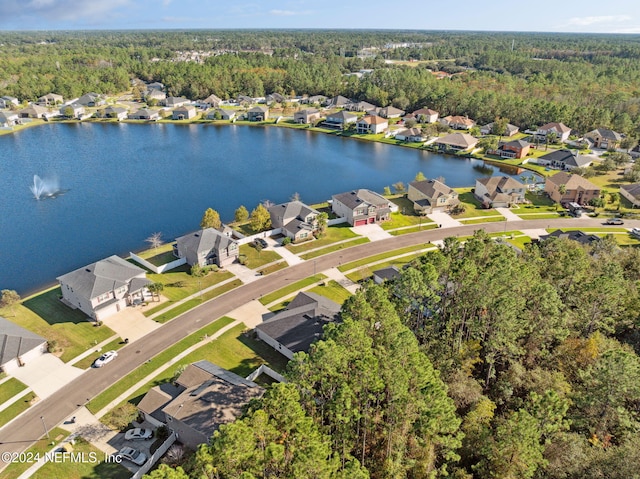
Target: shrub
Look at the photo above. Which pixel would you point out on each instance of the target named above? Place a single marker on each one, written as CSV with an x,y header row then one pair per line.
x,y
52,346
286,241
120,417
242,259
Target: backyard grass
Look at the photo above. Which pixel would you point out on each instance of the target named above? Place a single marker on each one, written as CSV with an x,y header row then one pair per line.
x,y
335,247
415,229
332,235
256,258
273,268
333,291
46,315
42,446
109,394
160,255
473,206
287,290
88,361
16,408
399,220
367,271
381,256
10,388
83,469
235,351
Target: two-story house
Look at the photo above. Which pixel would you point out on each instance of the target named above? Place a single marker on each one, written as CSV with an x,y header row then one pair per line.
x,y
185,112
306,116
425,115
372,124
295,219
499,191
604,138
205,247
431,195
258,113
560,130
103,288
512,149
458,122
361,207
576,188
340,119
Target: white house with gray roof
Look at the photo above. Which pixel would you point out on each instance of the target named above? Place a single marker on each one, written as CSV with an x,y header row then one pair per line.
x,y
103,288
18,346
632,193
295,220
205,247
361,207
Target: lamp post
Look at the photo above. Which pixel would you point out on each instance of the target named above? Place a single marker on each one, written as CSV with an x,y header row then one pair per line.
x,y
46,431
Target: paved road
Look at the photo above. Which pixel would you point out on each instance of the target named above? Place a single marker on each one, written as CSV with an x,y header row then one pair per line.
x,y
28,428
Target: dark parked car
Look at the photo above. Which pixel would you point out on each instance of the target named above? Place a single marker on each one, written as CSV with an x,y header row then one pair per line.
x,y
260,242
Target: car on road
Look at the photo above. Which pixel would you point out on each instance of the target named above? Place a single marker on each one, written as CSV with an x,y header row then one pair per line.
x,y
104,359
260,242
614,221
138,433
133,455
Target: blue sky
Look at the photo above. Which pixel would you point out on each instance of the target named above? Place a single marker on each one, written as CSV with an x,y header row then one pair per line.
x,y
614,16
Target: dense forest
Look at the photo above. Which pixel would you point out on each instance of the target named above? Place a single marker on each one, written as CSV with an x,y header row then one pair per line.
x,y
584,81
477,362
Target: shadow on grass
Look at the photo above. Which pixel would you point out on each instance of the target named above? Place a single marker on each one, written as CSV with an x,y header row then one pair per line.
x,y
111,470
49,307
262,350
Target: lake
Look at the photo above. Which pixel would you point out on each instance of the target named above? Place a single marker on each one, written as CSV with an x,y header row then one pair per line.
x,y
127,181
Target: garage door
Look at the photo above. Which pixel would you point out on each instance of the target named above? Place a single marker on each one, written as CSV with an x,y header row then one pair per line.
x,y
360,222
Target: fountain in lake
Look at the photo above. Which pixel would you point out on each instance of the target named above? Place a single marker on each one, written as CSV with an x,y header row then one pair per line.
x,y
47,188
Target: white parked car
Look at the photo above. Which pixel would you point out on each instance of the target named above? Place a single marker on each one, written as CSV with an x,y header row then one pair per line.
x,y
138,433
104,359
133,455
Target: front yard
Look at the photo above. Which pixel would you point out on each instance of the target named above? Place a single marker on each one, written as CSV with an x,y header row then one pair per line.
x,y
333,291
255,258
333,234
473,207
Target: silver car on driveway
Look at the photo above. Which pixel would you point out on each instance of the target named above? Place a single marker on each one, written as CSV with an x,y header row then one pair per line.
x,y
138,434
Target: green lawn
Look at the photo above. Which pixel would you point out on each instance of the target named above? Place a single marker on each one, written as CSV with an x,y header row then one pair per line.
x,y
10,388
603,230
88,361
46,315
335,247
333,291
109,394
487,219
381,256
415,229
367,271
287,290
473,206
43,445
332,235
16,408
399,220
83,469
273,268
159,256
256,259
234,350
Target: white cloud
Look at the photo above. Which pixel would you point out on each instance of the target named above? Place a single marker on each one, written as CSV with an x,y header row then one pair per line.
x,y
596,20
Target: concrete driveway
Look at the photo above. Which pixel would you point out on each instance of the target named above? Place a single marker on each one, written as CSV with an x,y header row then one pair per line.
x,y
131,323
373,232
46,374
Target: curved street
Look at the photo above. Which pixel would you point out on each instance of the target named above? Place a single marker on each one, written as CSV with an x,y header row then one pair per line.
x,y
28,427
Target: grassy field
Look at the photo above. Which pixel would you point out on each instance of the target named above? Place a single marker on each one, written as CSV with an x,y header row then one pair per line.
x,y
381,256
473,206
256,259
332,235
333,291
46,315
287,290
88,361
14,469
109,394
273,268
10,388
335,247
16,408
160,255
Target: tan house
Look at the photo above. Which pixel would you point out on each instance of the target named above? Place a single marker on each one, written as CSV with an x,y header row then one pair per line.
x,y
577,189
212,101
561,131
35,111
295,220
604,138
306,116
414,135
499,192
155,95
391,112
184,112
144,114
431,195
361,207
372,124
258,113
458,122
456,142
205,247
425,115
631,193
50,100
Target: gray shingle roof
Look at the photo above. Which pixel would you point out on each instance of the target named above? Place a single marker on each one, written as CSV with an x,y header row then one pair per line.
x,y
431,188
353,199
342,116
633,189
578,236
206,240
284,213
16,341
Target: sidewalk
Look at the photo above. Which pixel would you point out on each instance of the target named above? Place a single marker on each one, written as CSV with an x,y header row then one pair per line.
x,y
444,220
508,214
341,279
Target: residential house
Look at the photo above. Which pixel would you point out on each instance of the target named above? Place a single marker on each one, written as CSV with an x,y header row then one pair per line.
x,y
175,102
560,130
18,346
157,96
275,98
509,130
104,288
184,112
386,274
631,193
221,114
410,134
8,119
205,247
565,160
574,235
155,86
577,189
92,100
315,99
456,142
512,149
372,124
431,195
144,114
337,102
458,122
115,112
361,207
309,115
73,110
258,113
360,106
604,138
341,119
35,111
204,397
8,102
212,101
499,192
425,115
50,100
299,325
295,219
391,112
